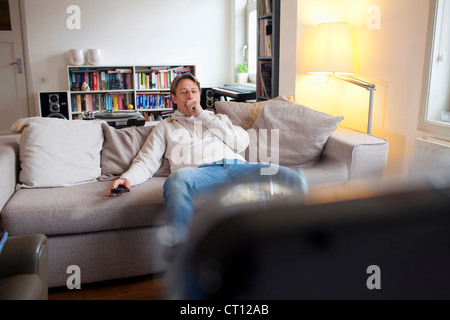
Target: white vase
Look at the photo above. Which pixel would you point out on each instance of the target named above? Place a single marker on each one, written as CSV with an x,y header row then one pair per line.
x,y
242,77
94,56
76,57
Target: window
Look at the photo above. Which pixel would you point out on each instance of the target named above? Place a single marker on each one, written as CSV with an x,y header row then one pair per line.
x,y
436,93
245,35
252,35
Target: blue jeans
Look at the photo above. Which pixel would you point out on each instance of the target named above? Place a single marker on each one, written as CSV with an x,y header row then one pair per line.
x,y
183,185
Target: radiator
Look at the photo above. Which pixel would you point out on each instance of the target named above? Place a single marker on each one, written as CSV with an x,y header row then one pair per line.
x,y
431,154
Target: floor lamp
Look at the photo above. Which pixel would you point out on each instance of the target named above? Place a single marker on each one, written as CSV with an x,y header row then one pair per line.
x,y
333,55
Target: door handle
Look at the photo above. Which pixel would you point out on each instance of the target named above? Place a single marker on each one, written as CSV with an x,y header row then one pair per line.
x,y
19,65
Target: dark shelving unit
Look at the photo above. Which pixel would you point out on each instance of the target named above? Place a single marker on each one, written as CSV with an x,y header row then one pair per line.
x,y
268,49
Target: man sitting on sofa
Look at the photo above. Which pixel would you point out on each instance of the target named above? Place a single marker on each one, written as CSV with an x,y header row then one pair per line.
x,y
203,152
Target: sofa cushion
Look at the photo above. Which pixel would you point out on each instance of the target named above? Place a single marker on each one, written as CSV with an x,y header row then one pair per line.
x,y
58,153
120,147
241,114
302,133
83,209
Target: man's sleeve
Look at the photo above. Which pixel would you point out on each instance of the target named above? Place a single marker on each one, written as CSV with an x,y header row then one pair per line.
x,y
149,159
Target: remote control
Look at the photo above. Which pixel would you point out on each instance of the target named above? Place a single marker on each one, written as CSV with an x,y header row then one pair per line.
x,y
119,190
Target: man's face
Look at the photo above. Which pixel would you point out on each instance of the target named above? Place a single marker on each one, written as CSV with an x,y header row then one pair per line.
x,y
187,93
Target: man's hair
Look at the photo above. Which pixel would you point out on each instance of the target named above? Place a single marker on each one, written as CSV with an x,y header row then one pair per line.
x,y
176,81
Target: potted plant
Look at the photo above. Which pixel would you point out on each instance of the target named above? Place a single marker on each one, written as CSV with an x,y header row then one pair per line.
x,y
242,72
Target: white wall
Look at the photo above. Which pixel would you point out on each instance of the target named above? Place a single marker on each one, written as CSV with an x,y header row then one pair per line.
x,y
200,32
288,47
130,32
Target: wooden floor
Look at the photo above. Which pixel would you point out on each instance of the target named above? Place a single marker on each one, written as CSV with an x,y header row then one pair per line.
x,y
140,288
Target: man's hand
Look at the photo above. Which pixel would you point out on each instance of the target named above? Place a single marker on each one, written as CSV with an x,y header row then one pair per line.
x,y
115,184
194,108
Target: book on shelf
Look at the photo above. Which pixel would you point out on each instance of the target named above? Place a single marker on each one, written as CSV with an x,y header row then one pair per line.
x,y
88,99
158,77
120,70
100,101
167,114
265,7
156,116
95,81
153,100
265,37
265,81
152,117
101,78
78,103
262,92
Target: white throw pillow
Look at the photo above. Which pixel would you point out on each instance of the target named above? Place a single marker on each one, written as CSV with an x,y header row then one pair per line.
x,y
58,153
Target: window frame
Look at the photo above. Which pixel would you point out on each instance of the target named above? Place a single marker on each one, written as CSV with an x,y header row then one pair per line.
x,y
426,124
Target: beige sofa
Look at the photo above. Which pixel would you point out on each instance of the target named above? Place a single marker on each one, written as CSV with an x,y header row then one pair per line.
x,y
110,238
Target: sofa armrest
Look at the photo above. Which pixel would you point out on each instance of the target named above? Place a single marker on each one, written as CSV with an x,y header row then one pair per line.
x,y
328,170
365,155
9,167
26,255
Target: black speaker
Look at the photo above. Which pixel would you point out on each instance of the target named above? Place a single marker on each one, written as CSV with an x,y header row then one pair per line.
x,y
54,105
209,99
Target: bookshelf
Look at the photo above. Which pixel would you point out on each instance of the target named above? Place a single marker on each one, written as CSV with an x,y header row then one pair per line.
x,y
268,49
145,89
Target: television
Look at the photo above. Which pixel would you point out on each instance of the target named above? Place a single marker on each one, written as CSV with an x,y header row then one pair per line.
x,y
390,244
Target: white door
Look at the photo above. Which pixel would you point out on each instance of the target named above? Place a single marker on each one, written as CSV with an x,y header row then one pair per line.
x,y
13,90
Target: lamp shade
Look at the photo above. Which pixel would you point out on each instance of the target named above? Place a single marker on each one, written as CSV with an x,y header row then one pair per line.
x,y
332,49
